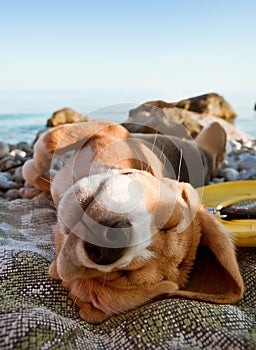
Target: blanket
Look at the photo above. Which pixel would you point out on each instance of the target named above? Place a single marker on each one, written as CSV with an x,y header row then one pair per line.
x,y
37,313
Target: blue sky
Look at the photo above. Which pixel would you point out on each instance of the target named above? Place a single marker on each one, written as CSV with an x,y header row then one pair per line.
x,y
91,53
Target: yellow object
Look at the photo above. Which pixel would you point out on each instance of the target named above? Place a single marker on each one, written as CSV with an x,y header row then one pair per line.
x,y
226,193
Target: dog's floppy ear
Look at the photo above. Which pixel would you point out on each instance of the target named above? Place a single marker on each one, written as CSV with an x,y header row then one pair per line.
x,y
215,276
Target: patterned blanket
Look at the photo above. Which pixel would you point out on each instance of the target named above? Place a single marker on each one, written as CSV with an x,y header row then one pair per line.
x,y
36,312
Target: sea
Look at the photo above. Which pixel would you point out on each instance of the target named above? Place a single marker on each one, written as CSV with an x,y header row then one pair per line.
x,y
17,127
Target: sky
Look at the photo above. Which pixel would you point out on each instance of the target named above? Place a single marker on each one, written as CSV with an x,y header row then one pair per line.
x,y
87,54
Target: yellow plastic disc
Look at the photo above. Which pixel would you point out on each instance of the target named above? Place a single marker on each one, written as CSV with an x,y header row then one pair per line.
x,y
226,193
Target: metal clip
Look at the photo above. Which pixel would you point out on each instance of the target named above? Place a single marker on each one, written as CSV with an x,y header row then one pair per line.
x,y
216,212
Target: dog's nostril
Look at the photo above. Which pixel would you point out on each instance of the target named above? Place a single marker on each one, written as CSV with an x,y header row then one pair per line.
x,y
110,245
103,255
95,253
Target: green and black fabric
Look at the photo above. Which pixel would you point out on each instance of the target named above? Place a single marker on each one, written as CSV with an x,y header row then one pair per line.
x,y
36,312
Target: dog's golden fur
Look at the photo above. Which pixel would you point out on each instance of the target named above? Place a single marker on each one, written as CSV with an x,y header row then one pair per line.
x,y
186,251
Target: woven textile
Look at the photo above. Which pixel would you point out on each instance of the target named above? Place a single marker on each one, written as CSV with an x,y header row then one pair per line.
x,y
36,312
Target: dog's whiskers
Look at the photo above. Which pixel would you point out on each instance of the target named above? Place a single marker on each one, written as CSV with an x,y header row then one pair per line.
x,y
179,171
164,157
45,179
152,148
104,280
77,294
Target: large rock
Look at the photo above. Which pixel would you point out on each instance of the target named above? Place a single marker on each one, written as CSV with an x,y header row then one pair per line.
x,y
212,103
179,122
66,115
148,118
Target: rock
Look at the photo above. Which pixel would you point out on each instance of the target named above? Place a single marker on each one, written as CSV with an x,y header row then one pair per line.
x,y
8,162
4,149
66,115
6,184
148,118
17,175
248,162
171,121
211,103
249,174
12,194
29,191
6,174
161,104
17,153
24,146
229,174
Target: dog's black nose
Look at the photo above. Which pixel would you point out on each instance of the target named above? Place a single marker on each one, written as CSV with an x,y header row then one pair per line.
x,y
111,246
103,255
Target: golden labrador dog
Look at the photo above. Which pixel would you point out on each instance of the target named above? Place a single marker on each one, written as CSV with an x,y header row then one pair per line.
x,y
126,234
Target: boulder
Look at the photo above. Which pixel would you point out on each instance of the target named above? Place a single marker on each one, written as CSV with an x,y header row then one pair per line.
x,y
66,115
148,118
211,103
161,104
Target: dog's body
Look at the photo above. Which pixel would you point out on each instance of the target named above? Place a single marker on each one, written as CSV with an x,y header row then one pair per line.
x,y
125,233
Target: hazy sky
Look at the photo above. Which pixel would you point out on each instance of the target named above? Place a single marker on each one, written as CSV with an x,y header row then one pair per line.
x,y
125,51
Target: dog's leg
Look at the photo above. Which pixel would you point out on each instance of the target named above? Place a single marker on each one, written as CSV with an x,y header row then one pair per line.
x,y
121,300
60,140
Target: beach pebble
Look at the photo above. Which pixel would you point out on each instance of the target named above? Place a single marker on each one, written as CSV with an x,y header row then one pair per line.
x,y
7,162
6,184
6,174
216,180
29,191
17,153
230,162
248,162
18,176
249,174
12,194
229,174
4,149
24,146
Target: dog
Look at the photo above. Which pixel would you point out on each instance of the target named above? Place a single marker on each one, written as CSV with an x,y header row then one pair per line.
x,y
126,234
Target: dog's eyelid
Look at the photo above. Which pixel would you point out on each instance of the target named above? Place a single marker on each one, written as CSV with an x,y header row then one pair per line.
x,y
127,172
164,230
167,229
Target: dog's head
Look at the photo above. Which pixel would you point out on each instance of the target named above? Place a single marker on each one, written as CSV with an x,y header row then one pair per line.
x,y
113,217
130,220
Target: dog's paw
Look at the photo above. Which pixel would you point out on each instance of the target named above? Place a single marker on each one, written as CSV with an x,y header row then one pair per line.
x,y
90,314
53,271
29,191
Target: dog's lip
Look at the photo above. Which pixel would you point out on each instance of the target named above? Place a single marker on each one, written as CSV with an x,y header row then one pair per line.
x,y
93,274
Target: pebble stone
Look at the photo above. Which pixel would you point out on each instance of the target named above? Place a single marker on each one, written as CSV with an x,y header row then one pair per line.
x,y
240,162
4,149
12,158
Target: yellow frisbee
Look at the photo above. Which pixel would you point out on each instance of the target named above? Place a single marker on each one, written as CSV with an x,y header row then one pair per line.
x,y
220,195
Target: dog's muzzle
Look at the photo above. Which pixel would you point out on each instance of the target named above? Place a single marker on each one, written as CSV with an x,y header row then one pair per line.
x,y
110,246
